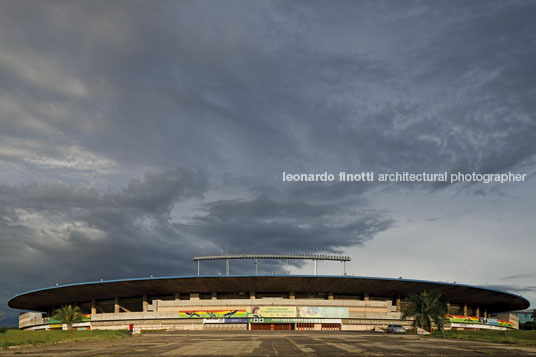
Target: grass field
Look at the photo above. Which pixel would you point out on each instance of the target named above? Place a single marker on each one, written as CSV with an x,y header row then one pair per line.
x,y
18,337
524,337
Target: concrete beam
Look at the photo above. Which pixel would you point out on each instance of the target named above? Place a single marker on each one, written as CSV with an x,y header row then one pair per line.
x,y
145,303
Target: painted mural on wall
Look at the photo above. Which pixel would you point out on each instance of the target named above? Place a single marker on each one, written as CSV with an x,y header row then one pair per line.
x,y
463,319
270,311
476,320
50,320
212,314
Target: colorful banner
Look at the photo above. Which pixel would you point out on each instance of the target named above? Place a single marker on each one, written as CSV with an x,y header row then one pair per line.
x,y
212,314
323,311
493,322
272,311
50,320
505,323
463,319
226,321
476,320
283,320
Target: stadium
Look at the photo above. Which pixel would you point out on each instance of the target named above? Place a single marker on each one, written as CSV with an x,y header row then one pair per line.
x,y
262,302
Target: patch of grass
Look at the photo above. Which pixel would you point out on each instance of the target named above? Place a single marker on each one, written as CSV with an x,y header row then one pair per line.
x,y
522,337
19,338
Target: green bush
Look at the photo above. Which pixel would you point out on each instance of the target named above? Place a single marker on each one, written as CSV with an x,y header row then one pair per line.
x,y
508,336
14,337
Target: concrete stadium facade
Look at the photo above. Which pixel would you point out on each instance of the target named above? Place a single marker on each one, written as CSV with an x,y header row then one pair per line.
x,y
261,302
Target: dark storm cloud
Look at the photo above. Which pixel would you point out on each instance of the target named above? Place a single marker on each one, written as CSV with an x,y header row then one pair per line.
x,y
46,223
131,232
61,234
382,86
282,226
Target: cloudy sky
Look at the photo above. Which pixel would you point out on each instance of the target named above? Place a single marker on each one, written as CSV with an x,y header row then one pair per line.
x,y
135,135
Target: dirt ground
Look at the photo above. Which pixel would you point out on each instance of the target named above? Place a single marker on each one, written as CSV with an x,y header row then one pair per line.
x,y
274,343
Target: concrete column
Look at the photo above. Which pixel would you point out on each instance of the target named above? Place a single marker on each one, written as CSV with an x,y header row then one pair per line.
x,y
448,307
252,295
292,295
330,296
177,296
398,304
194,296
486,313
93,307
464,309
213,296
477,311
366,297
145,303
116,305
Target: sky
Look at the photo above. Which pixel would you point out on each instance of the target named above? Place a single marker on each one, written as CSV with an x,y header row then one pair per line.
x,y
135,135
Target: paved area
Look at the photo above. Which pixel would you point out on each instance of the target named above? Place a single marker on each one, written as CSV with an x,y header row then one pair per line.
x,y
272,343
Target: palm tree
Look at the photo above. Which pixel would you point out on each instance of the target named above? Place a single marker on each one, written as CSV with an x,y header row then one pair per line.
x,y
426,308
68,315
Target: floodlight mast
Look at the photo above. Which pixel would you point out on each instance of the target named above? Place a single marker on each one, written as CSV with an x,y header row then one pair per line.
x,y
255,257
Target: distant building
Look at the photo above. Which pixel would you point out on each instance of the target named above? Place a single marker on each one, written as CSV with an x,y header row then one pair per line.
x,y
524,316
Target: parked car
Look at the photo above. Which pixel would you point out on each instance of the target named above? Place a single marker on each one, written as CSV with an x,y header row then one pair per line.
x,y
396,329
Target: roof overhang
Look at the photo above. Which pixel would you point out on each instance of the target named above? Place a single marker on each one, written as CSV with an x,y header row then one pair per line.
x,y
44,299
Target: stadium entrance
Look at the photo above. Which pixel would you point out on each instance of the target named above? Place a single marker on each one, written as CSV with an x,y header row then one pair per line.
x,y
272,327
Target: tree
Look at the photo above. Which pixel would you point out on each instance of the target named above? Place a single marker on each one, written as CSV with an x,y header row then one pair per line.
x,y
426,308
68,315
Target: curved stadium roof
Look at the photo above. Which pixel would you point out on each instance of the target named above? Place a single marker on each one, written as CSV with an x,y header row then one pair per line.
x,y
43,299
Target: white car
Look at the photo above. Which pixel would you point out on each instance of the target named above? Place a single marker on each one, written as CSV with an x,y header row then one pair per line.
x,y
396,329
